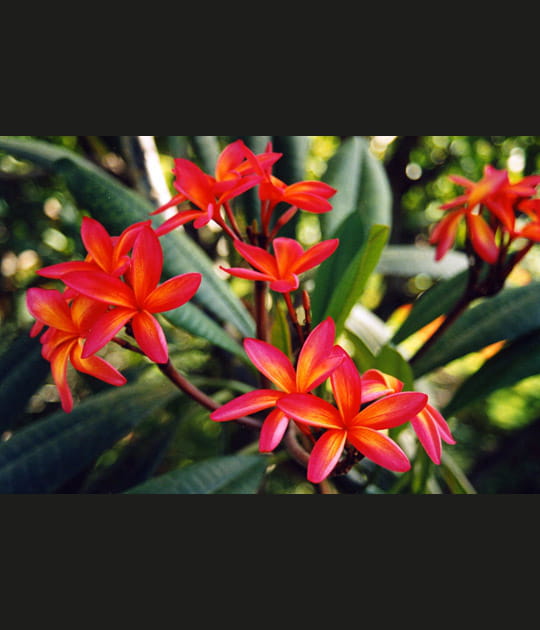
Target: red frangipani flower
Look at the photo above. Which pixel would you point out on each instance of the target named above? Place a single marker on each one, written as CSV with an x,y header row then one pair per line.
x,y
317,360
137,300
347,424
283,268
234,176
64,339
493,192
105,253
429,425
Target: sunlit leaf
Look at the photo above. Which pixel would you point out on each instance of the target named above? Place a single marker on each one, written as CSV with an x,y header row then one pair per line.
x,y
511,314
515,362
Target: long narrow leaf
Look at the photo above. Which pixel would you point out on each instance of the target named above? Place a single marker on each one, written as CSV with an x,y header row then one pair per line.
x,y
349,288
235,474
511,314
42,457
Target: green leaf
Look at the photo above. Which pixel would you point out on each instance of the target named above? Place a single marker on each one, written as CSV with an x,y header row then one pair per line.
x,y
207,150
235,474
281,332
43,456
511,314
515,362
349,286
22,371
408,261
363,188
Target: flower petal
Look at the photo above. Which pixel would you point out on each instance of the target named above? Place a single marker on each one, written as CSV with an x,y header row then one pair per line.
x,y
376,384
258,258
445,232
287,252
101,287
49,307
106,327
174,293
150,337
98,242
316,255
59,365
318,359
482,238
193,183
61,269
177,221
285,285
273,430
392,411
380,449
311,410
428,434
146,264
247,404
347,387
85,312
325,455
248,274
442,425
273,363
96,367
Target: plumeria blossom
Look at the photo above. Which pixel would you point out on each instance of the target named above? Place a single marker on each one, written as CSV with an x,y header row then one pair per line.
x,y
69,326
429,425
136,300
493,192
347,423
234,175
281,270
311,196
318,358
105,253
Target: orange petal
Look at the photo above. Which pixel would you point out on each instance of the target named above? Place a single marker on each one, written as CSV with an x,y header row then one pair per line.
x,y
174,293
376,384
150,337
96,367
379,449
102,287
483,239
271,362
98,242
428,434
59,365
146,264
106,327
315,256
311,410
258,258
347,387
247,404
445,232
49,307
85,312
325,455
318,359
392,411
287,252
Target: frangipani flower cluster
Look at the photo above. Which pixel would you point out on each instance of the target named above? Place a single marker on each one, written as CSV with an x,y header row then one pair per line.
x,y
118,287
490,208
355,421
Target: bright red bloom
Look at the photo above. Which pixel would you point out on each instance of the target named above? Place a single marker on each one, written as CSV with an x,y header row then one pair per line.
x,y
105,253
430,426
283,268
494,192
63,341
318,358
136,300
234,176
346,423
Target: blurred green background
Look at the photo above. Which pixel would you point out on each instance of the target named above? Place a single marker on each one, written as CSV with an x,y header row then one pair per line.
x,y
498,438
